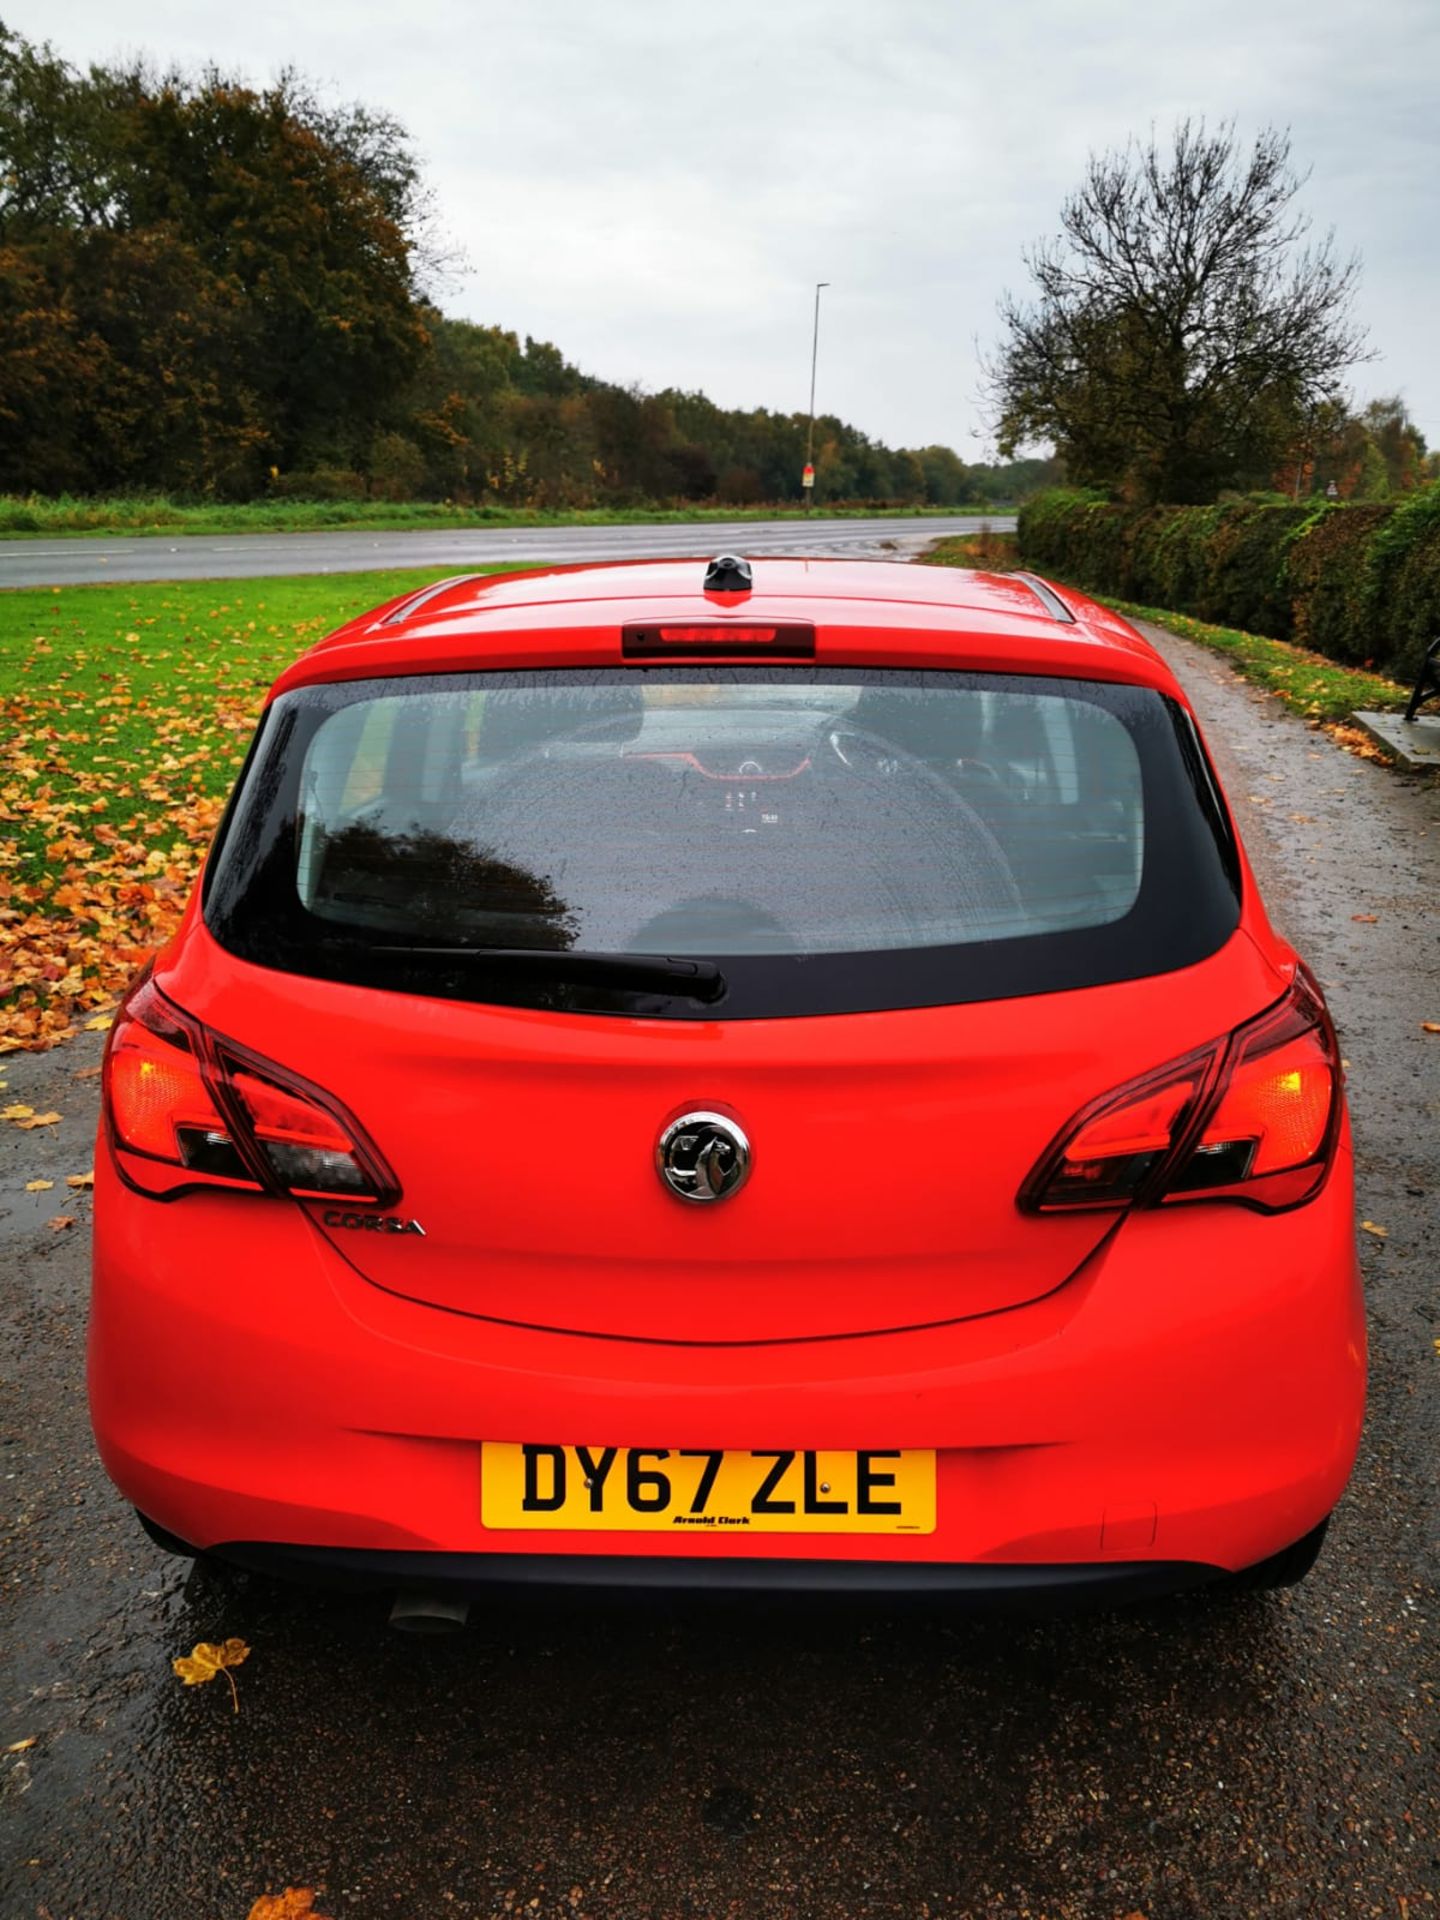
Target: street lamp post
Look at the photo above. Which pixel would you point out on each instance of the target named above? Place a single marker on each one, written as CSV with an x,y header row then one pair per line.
x,y
810,434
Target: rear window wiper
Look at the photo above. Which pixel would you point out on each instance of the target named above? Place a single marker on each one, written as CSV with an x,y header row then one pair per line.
x,y
687,979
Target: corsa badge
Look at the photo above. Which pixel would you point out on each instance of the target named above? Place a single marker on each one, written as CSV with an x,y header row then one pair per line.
x,y
370,1222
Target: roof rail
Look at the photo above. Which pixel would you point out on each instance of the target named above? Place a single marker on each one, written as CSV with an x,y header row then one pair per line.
x,y
413,602
1048,598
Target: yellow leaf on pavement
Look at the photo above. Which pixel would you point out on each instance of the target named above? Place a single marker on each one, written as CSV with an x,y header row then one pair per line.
x,y
1369,1226
1430,1026
206,1659
16,1113
38,1186
61,1222
102,1023
80,1179
38,1120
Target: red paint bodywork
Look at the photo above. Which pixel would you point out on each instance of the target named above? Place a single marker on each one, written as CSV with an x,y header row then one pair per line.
x,y
1184,1385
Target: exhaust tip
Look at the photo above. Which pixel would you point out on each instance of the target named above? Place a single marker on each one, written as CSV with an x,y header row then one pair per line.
x,y
428,1613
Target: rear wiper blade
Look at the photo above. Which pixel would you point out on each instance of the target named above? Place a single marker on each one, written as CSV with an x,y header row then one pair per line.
x,y
688,979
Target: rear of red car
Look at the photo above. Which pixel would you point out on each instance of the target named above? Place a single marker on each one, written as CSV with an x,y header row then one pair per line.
x,y
788,1086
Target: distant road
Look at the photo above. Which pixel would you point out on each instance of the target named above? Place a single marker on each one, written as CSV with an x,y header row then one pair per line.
x,y
238,556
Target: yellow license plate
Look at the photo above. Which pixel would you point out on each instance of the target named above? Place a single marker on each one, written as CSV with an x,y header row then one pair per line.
x,y
694,1490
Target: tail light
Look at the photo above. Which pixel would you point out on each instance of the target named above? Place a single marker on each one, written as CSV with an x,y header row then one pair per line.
x,y
1252,1117
186,1107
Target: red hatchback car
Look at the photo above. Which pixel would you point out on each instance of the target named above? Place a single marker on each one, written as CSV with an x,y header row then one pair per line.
x,y
687,1075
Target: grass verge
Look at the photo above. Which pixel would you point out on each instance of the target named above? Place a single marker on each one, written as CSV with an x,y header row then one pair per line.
x,y
26,517
987,551
1307,683
124,714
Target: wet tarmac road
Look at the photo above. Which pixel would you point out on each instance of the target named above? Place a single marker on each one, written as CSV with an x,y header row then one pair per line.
x,y
1198,1760
99,559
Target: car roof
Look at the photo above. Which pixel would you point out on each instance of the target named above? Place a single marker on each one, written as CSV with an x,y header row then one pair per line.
x,y
864,612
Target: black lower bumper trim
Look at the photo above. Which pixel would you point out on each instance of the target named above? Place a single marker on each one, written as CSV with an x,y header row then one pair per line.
x,y
981,1582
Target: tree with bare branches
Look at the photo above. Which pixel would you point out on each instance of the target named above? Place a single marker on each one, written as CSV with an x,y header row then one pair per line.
x,y
1182,321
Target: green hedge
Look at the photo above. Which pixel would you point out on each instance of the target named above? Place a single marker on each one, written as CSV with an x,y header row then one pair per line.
x,y
1328,576
1356,583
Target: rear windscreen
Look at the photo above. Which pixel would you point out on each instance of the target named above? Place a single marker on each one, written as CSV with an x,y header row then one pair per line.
x,y
826,840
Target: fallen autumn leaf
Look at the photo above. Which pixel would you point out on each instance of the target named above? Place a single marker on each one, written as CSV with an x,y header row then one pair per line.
x,y
205,1659
295,1903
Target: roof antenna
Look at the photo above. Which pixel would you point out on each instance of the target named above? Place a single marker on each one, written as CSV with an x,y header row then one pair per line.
x,y
728,573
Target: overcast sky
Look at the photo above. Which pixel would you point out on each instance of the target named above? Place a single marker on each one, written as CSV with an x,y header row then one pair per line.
x,y
655,185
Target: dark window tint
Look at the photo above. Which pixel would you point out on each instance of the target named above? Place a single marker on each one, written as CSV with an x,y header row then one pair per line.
x,y
828,840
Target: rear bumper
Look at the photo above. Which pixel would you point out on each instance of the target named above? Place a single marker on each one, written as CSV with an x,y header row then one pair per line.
x,y
470,1575
1191,1399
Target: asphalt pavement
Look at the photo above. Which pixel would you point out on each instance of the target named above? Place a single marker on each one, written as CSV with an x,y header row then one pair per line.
x,y
1211,1758
234,556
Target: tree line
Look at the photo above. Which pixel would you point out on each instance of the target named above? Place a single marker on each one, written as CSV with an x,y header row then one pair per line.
x,y
212,290
221,292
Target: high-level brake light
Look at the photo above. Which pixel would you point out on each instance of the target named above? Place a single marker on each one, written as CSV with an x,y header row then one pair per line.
x,y
735,639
